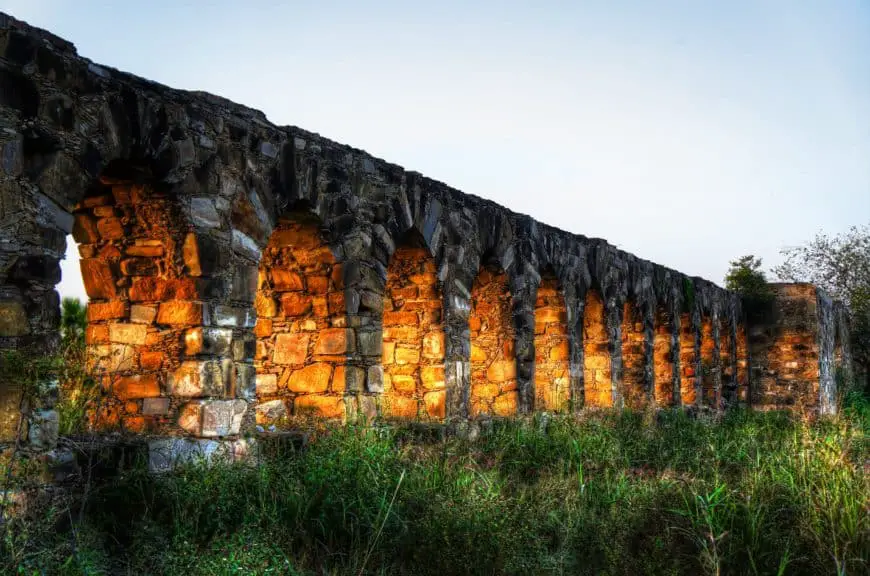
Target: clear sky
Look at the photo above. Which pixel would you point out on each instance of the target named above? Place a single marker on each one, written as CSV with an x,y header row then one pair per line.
x,y
686,132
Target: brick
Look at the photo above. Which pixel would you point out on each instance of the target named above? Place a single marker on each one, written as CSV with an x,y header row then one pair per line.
x,y
400,319
143,314
98,311
435,403
286,280
407,355
110,228
145,251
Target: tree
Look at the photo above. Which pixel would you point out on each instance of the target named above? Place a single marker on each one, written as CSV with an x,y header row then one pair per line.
x,y
73,320
746,278
840,265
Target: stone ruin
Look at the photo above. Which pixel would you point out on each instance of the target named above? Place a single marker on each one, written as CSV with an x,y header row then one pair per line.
x,y
242,276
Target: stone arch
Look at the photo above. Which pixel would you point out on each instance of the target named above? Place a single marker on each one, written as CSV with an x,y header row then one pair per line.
x,y
596,353
688,360
551,342
302,335
633,356
493,362
142,299
413,347
709,364
663,358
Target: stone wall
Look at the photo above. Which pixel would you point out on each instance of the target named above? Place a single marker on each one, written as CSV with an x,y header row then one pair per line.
x,y
243,274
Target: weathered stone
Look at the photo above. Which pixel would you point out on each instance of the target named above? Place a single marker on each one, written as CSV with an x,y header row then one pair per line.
x,y
208,340
180,313
13,319
335,341
140,386
233,317
319,406
127,333
375,379
246,381
143,314
266,384
312,379
222,417
155,406
370,343
201,378
271,411
291,348
203,213
98,279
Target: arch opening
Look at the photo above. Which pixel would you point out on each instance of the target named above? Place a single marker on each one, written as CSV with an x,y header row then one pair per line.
x,y
688,359
413,336
552,381
633,356
709,364
663,358
493,359
301,330
596,353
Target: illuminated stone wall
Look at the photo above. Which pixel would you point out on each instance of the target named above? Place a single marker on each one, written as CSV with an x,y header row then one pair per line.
x,y
663,359
688,361
633,357
493,363
413,347
709,365
301,330
596,348
552,354
187,207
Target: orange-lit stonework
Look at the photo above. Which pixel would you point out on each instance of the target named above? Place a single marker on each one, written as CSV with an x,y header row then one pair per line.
x,y
144,302
552,382
633,357
244,276
302,337
493,364
688,361
663,359
709,365
413,346
596,353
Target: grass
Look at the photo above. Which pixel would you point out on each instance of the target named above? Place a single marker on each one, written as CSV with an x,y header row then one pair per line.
x,y
608,493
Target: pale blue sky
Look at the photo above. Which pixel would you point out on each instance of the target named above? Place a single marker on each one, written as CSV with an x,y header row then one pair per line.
x,y
688,133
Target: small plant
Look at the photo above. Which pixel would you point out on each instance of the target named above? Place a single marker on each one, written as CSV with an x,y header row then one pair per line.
x,y
746,277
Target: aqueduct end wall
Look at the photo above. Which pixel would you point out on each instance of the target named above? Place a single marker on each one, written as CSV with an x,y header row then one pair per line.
x,y
243,275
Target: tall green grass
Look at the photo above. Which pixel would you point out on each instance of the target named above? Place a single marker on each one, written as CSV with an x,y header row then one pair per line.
x,y
608,493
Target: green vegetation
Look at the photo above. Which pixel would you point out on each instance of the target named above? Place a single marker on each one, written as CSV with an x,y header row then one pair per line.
x,y
746,277
610,493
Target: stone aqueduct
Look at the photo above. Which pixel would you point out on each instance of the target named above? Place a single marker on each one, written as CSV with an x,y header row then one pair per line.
x,y
244,274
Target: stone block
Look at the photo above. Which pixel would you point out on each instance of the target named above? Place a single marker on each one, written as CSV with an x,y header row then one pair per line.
x,y
143,314
435,403
222,417
312,379
284,280
296,304
266,384
291,349
246,380
233,317
98,311
375,379
110,228
370,343
401,407
98,279
145,250
406,355
127,333
155,406
167,453
331,407
140,386
403,383
196,378
265,306
245,246
271,412
208,341
180,313
13,319
433,377
85,229
433,345
150,360
203,212
244,284
335,341
201,255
